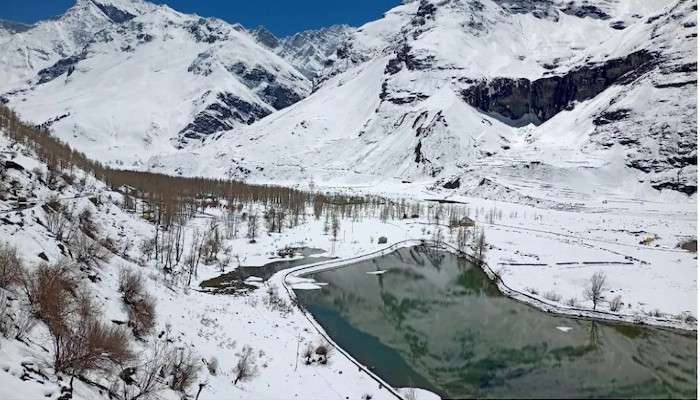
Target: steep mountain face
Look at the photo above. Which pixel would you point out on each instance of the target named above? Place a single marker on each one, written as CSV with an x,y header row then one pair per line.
x,y
506,99
126,79
309,51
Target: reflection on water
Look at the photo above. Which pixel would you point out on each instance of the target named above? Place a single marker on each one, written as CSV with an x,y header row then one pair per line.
x,y
435,321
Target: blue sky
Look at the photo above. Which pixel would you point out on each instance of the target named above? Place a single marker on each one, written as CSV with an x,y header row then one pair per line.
x,y
282,17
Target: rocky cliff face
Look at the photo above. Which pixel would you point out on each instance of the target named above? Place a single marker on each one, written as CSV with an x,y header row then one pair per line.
x,y
519,101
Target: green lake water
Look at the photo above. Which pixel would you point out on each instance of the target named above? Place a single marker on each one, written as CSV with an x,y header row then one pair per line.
x,y
434,321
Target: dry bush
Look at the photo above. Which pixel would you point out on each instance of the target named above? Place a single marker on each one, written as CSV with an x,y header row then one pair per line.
x,y
532,291
277,303
142,316
616,303
86,250
57,217
552,296
323,351
92,346
141,307
183,370
246,367
86,219
6,316
50,292
571,302
145,379
213,366
308,354
130,286
11,267
80,342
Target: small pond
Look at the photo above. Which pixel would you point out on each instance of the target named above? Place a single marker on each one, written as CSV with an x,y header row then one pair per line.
x,y
435,321
234,281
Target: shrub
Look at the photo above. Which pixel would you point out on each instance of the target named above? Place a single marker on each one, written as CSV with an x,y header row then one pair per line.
x,y
92,346
184,370
86,250
142,316
11,268
616,303
277,303
80,342
323,351
213,365
552,296
130,286
246,367
571,302
141,307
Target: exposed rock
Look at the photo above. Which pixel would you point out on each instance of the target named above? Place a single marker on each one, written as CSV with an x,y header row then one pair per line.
x,y
220,116
279,96
608,117
116,15
542,9
207,31
519,99
584,11
265,37
453,184
64,66
9,164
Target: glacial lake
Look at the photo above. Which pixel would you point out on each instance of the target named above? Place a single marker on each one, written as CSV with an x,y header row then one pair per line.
x,y
435,321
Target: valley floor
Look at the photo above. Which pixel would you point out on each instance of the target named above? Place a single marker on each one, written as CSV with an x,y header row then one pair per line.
x,y
537,251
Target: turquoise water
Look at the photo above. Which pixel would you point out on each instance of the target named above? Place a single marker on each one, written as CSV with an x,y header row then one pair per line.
x,y
436,322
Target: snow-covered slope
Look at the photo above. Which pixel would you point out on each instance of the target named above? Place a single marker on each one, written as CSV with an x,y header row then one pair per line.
x,y
144,79
566,100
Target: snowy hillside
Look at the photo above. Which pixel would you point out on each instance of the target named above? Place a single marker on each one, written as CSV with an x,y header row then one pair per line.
x,y
562,100
129,79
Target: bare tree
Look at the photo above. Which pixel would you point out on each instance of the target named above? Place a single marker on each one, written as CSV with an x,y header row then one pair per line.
x,y
479,246
245,367
184,370
11,267
594,288
335,226
252,227
461,239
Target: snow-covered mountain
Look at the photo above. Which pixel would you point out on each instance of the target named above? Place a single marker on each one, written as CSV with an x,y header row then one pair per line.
x,y
550,103
126,79
310,51
514,100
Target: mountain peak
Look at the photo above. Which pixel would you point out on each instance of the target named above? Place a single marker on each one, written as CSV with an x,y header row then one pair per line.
x,y
265,37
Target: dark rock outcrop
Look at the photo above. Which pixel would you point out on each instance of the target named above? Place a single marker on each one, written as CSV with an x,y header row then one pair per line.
x,y
265,37
279,96
113,13
222,115
405,57
542,9
207,31
520,100
64,66
584,11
